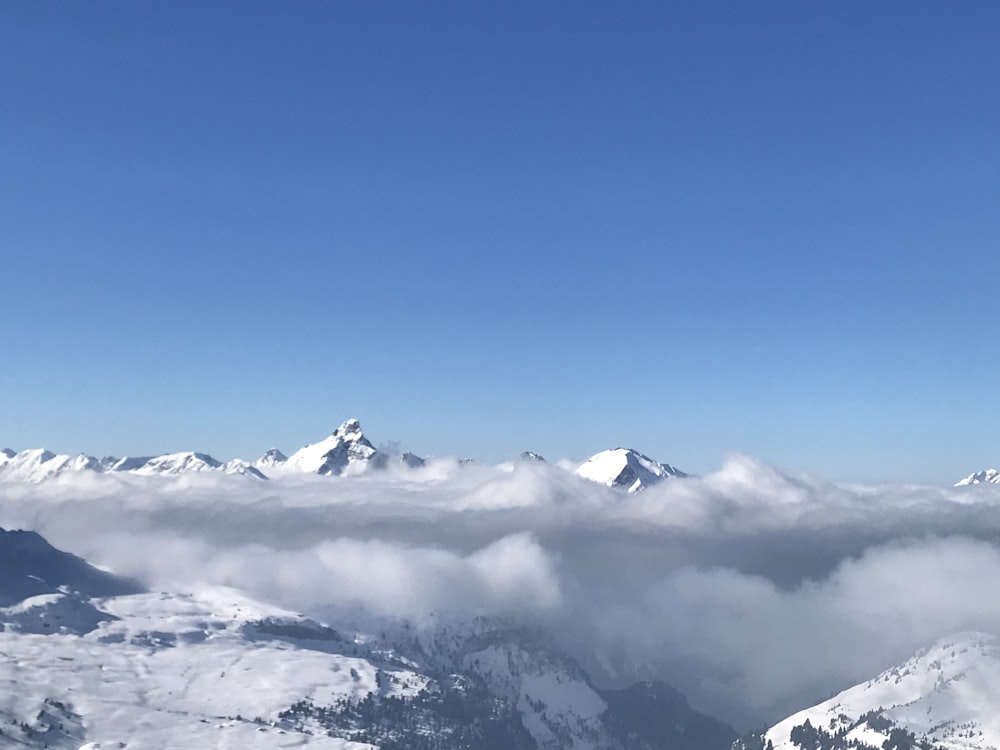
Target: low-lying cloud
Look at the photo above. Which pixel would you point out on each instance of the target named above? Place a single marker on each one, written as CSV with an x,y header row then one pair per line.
x,y
753,590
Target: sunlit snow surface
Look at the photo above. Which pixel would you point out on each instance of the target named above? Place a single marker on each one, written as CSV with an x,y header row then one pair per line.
x,y
169,672
948,694
626,468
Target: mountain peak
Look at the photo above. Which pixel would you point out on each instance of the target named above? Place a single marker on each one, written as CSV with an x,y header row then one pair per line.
x,y
349,429
271,458
989,476
346,451
626,468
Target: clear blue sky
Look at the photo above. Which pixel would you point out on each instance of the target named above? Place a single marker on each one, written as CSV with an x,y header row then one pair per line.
x,y
692,228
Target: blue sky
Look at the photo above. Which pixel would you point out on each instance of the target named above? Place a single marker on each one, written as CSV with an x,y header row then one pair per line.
x,y
693,228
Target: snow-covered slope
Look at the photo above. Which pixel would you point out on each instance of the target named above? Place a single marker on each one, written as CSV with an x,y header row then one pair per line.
x,y
38,464
91,666
989,476
177,463
947,695
346,451
626,468
156,671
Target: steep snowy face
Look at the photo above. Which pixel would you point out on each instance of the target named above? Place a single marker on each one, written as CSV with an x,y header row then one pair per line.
x,y
946,695
990,476
346,451
38,464
269,460
626,468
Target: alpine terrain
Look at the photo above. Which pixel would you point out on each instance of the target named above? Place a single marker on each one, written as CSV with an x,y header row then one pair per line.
x,y
90,660
947,696
345,452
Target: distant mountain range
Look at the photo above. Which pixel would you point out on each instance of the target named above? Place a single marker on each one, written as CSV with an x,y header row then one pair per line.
x,y
345,452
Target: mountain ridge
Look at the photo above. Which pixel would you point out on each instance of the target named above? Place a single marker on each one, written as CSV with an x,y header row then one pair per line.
x,y
345,452
945,696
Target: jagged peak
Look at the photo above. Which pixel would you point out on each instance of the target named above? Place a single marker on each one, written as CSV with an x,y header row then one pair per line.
x,y
346,450
349,430
987,476
532,456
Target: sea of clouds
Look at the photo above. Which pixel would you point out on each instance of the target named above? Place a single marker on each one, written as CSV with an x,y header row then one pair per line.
x,y
753,590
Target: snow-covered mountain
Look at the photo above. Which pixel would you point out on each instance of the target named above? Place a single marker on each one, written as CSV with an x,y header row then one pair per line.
x,y
625,468
178,463
989,476
273,457
346,451
38,464
947,696
97,663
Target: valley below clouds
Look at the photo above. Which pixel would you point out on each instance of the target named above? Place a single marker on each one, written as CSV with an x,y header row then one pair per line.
x,y
755,591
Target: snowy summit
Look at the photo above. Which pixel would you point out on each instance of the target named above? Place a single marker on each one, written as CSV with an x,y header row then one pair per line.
x,y
627,468
346,451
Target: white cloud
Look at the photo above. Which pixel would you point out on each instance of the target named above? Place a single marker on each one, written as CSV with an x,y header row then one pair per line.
x,y
752,589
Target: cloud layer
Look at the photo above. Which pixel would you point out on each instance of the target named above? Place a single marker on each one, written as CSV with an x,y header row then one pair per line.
x,y
753,590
